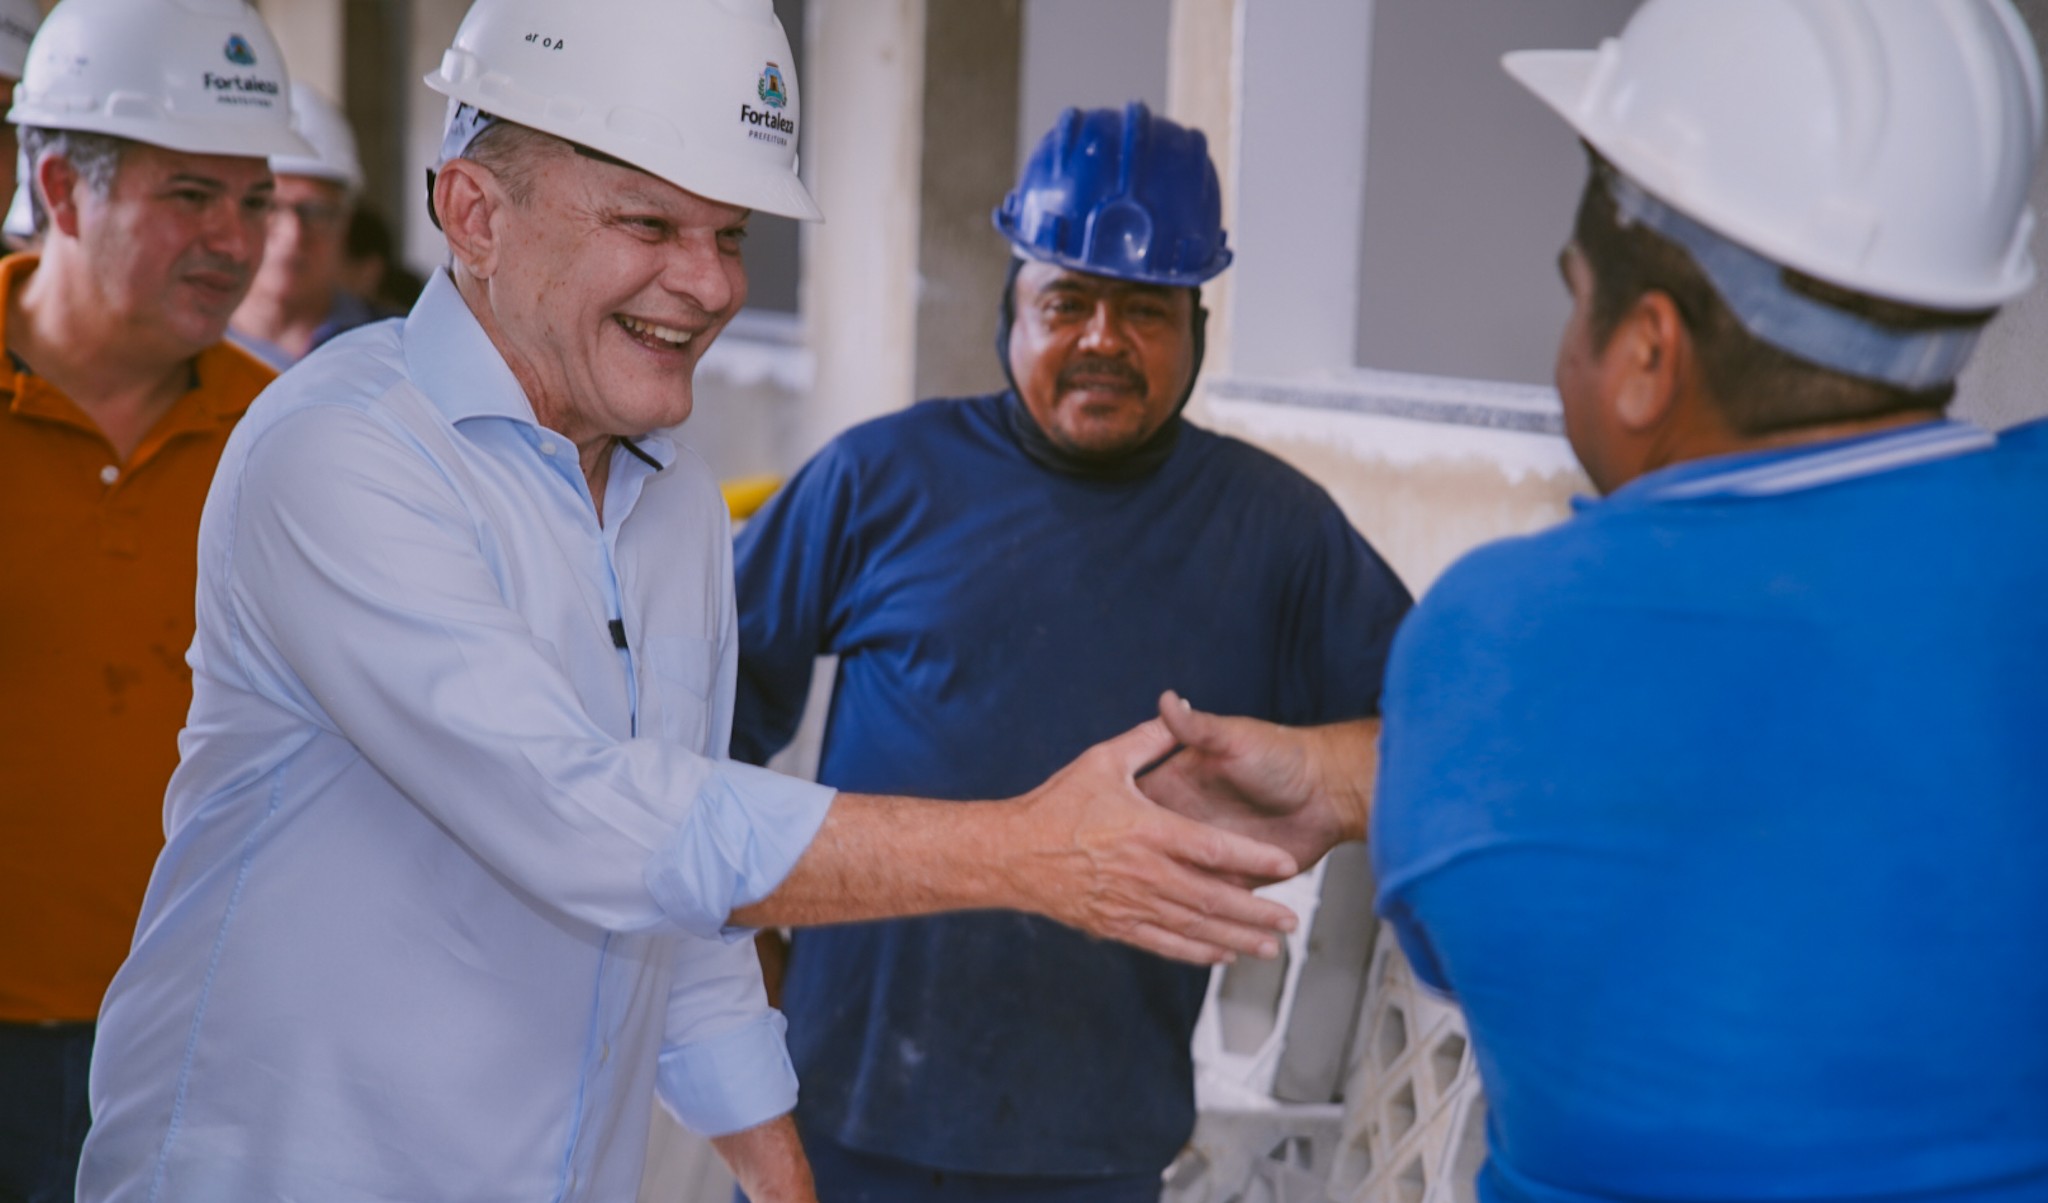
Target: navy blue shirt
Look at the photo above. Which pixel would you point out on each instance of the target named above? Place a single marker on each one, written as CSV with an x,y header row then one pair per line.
x,y
1723,810
994,619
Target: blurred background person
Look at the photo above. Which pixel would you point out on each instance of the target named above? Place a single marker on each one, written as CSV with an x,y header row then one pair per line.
x,y
370,267
298,300
152,193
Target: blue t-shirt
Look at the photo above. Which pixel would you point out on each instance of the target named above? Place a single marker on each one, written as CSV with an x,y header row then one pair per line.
x,y
1723,810
994,619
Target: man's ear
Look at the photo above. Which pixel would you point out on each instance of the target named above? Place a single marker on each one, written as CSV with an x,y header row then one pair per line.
x,y
466,198
1653,361
59,182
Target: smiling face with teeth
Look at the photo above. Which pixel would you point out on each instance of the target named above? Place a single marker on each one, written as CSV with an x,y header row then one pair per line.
x,y
600,284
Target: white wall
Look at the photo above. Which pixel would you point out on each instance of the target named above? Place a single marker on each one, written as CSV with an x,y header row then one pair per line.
x,y
1470,185
1089,54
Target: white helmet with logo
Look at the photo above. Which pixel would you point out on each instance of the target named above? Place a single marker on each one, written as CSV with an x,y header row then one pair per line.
x,y
701,93
18,22
334,143
1885,146
200,76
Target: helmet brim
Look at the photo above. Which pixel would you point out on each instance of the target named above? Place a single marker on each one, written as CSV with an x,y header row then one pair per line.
x,y
1559,78
242,142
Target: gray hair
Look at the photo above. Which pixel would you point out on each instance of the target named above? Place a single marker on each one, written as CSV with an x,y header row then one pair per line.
x,y
95,157
513,153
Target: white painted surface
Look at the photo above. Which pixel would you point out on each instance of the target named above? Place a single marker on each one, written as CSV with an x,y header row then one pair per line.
x,y
1470,186
864,75
1299,184
1089,54
310,34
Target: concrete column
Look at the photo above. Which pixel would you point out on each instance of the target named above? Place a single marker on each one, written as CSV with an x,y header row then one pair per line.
x,y
309,33
971,96
912,109
378,101
863,95
1203,83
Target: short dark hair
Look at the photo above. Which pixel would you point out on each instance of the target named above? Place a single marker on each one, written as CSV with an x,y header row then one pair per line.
x,y
95,157
1759,388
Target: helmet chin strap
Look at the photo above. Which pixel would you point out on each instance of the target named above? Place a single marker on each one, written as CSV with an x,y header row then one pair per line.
x,y
1129,463
1755,291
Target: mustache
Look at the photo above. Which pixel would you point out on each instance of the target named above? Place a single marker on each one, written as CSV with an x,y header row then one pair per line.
x,y
1098,370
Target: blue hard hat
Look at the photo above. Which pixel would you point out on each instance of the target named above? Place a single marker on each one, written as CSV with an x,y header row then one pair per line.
x,y
1122,194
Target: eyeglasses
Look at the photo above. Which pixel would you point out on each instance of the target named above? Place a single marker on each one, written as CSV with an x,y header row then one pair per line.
x,y
312,215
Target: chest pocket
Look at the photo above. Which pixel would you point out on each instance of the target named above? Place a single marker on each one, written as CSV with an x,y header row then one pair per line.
x,y
684,669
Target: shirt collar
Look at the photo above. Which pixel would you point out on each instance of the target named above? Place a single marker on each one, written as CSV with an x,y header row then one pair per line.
x,y
453,361
1796,469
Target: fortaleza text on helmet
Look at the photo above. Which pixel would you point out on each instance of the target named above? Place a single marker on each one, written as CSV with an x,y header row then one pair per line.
x,y
240,83
754,116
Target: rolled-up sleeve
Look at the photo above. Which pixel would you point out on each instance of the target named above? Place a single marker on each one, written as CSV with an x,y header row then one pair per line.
x,y
724,1066
743,836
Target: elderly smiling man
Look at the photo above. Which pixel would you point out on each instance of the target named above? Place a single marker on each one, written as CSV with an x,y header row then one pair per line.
x,y
455,869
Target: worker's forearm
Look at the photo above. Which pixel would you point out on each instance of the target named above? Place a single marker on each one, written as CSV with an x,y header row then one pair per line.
x,y
880,857
1085,849
768,1162
1346,757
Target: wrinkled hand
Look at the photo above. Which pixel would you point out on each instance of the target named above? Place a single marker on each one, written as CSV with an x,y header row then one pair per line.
x,y
1304,789
1096,855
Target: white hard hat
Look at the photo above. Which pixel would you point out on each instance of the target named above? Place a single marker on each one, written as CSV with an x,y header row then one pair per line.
x,y
200,76
334,143
701,93
18,22
1884,146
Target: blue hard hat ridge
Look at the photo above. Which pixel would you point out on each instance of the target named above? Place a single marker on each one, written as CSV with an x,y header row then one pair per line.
x,y
1120,193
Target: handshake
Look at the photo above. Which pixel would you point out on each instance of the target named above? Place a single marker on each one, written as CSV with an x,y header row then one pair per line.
x,y
1250,802
1155,838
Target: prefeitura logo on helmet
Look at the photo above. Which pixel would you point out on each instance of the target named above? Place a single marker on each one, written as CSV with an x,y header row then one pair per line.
x,y
769,124
772,93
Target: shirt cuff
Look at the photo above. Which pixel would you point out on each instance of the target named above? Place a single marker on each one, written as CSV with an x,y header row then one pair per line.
x,y
730,1082
741,838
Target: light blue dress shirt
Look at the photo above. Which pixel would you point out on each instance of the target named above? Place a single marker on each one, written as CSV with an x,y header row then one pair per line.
x,y
445,896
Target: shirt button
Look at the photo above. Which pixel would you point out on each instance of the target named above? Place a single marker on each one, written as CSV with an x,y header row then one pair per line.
x,y
604,1053
547,448
109,474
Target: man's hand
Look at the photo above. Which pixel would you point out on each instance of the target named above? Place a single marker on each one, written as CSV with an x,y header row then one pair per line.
x,y
1095,854
1304,789
1086,848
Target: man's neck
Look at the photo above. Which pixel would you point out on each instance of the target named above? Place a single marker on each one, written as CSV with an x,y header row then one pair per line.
x,y
282,322
68,334
593,448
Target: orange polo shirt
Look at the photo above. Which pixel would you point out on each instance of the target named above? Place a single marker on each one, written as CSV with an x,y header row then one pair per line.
x,y
97,573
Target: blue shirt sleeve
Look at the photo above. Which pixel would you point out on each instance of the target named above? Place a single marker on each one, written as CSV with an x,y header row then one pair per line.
x,y
791,564
1347,605
1448,760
